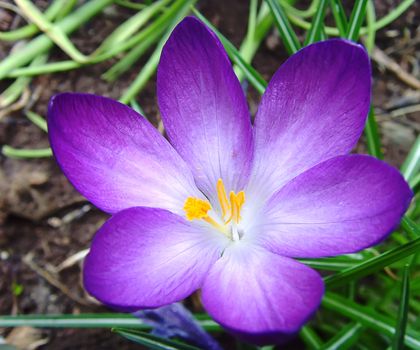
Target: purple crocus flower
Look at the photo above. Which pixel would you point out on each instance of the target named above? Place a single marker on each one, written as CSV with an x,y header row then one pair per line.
x,y
225,205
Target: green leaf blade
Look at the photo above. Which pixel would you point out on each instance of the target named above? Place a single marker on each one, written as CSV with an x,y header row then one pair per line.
x,y
374,264
398,340
151,341
290,39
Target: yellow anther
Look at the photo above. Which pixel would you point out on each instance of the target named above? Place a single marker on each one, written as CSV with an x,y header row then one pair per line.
x,y
223,199
240,198
236,203
196,208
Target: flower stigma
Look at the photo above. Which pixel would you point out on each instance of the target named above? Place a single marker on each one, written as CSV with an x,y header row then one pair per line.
x,y
197,208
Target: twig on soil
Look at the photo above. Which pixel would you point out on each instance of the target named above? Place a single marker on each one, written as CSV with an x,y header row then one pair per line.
x,y
10,7
27,338
20,104
404,110
391,273
161,128
71,260
28,260
69,217
403,46
382,59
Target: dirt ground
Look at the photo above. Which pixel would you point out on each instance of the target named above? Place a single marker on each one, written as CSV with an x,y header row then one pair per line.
x,y
44,221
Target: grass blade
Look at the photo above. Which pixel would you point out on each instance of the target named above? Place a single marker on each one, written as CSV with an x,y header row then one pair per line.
x,y
55,33
42,43
128,28
17,153
392,16
134,55
57,9
151,341
373,139
371,32
132,5
252,42
339,16
290,9
329,264
368,318
398,340
411,165
107,320
310,338
16,89
74,321
252,20
290,40
374,264
317,27
356,19
410,227
37,120
97,56
345,338
47,68
379,24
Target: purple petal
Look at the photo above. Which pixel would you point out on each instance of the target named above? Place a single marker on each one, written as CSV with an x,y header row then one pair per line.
x,y
176,321
203,107
146,258
314,109
340,206
259,295
114,157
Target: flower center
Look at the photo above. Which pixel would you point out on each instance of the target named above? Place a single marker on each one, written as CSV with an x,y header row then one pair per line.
x,y
196,208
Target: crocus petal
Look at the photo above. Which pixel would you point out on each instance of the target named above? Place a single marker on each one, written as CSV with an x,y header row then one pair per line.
x,y
340,206
146,257
203,107
114,157
176,321
314,109
259,295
